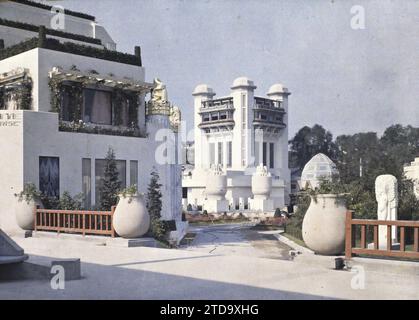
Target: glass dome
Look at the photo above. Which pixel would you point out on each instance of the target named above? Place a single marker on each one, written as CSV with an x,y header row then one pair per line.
x,y
320,167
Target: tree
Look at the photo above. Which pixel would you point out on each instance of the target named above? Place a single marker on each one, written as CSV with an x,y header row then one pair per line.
x,y
154,206
308,142
110,184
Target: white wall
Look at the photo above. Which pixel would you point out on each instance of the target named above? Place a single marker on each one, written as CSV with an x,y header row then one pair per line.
x,y
37,135
11,166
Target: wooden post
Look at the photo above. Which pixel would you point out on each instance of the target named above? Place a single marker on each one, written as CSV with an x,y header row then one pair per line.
x,y
363,236
376,237
416,240
348,236
388,238
402,242
112,229
35,220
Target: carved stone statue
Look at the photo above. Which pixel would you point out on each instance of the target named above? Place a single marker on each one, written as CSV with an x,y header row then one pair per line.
x,y
158,104
159,92
175,117
387,200
262,171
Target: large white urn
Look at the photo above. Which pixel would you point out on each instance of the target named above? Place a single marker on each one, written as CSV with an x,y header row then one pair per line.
x,y
261,185
131,218
216,184
324,225
25,212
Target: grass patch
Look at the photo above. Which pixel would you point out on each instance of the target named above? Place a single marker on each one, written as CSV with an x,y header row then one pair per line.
x,y
217,221
296,240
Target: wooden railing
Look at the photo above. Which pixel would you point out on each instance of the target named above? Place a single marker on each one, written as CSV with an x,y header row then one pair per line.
x,y
350,242
75,221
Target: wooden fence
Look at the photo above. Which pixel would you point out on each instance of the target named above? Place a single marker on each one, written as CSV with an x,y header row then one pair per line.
x,y
75,221
350,244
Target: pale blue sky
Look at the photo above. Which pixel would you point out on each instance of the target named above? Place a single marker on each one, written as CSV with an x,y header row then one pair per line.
x,y
346,80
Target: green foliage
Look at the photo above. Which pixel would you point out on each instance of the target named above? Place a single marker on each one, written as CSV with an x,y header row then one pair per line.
x,y
308,142
53,32
129,192
154,207
65,202
73,48
110,184
29,192
47,7
375,155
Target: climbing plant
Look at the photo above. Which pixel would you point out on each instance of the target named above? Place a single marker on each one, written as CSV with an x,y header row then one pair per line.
x,y
21,94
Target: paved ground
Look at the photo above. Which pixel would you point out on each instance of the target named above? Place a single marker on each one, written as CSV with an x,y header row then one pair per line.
x,y
222,263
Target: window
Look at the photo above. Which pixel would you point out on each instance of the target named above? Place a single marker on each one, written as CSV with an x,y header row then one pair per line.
x,y
212,153
49,176
100,173
133,173
86,170
220,153
97,106
271,155
214,116
229,154
67,112
264,151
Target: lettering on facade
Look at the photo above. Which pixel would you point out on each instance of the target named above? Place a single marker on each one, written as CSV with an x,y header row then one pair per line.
x,y
10,119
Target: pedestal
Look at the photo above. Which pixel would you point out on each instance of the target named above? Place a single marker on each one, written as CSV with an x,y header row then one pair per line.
x,y
212,205
261,204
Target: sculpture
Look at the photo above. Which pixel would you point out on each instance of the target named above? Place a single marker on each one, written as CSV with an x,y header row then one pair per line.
x,y
175,117
387,200
159,93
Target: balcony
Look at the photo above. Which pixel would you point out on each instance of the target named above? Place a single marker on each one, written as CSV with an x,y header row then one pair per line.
x,y
217,104
268,104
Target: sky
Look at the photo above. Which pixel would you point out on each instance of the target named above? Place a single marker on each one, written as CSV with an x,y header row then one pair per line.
x,y
348,80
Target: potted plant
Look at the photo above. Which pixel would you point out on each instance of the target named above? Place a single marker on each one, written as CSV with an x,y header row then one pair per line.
x,y
28,200
323,228
131,218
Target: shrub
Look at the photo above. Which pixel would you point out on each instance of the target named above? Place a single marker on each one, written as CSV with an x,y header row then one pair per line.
x,y
158,228
110,184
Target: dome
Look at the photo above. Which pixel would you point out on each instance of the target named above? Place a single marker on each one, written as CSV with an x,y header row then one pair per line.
x,y
243,82
318,168
203,89
277,88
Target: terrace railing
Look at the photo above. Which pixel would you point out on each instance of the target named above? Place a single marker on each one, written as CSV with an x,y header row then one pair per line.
x,y
75,221
351,248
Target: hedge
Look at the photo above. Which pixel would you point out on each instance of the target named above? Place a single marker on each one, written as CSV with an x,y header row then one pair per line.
x,y
70,47
47,7
58,33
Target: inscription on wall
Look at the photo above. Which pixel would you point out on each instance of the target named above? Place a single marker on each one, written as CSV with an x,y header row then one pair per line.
x,y
10,119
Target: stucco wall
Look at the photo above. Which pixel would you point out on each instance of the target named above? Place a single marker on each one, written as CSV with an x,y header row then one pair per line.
x,y
36,134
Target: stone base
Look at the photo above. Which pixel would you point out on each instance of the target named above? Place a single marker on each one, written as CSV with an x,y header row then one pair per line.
x,y
71,267
132,243
216,206
181,230
261,204
394,246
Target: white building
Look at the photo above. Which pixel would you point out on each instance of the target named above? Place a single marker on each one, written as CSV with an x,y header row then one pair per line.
x,y
62,105
411,172
237,133
320,167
